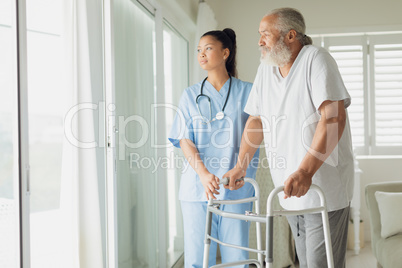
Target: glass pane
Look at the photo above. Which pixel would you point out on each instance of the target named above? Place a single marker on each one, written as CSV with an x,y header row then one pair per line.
x,y
47,101
137,220
9,173
176,80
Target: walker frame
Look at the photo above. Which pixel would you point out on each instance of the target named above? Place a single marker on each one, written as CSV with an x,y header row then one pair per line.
x,y
258,219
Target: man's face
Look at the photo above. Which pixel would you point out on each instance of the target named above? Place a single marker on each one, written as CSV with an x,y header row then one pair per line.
x,y
274,50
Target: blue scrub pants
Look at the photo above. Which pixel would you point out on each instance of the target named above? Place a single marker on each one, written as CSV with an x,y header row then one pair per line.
x,y
227,230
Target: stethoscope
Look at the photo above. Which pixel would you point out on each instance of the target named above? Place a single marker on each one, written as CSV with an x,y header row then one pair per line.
x,y
220,115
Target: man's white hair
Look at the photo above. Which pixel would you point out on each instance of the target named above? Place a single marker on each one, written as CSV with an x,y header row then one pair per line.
x,y
291,19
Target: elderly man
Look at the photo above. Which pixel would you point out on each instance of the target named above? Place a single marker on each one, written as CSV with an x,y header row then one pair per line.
x,y
298,106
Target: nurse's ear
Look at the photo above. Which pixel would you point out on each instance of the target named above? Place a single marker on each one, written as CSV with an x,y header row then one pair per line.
x,y
226,53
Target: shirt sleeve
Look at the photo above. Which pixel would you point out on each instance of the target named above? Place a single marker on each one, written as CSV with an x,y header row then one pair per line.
x,y
326,81
253,103
182,123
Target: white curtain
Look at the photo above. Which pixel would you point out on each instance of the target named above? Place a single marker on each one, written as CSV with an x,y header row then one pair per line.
x,y
205,22
83,158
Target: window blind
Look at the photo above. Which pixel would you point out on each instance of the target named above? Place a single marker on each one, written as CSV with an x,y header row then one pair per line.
x,y
388,94
350,63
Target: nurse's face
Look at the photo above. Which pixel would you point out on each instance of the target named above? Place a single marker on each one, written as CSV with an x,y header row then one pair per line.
x,y
211,55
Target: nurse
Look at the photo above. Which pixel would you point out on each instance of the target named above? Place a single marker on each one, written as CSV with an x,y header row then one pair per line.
x,y
208,128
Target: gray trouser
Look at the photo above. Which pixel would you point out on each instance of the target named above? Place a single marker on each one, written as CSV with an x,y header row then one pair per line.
x,y
309,237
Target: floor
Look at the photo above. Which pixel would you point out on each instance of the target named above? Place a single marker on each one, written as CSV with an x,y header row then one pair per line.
x,y
365,258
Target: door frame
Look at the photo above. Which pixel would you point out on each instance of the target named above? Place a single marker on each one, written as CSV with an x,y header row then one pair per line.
x,y
109,90
19,19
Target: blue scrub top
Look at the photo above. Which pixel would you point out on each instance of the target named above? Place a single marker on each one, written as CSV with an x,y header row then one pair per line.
x,y
217,142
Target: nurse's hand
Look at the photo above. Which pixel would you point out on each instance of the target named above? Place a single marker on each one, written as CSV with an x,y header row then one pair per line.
x,y
235,174
210,183
298,183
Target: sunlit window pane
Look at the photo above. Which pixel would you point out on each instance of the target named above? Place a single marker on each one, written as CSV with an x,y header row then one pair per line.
x,y
47,98
388,94
9,172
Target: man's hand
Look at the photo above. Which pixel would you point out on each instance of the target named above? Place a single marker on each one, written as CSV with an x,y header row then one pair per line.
x,y
234,174
298,183
210,183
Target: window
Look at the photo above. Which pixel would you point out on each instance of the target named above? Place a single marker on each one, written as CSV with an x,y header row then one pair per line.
x,y
9,131
371,67
48,101
31,230
387,72
176,79
151,70
137,218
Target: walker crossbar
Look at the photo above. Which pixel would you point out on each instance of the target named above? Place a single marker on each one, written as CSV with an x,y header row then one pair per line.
x,y
262,218
297,212
238,216
230,264
236,246
237,201
267,219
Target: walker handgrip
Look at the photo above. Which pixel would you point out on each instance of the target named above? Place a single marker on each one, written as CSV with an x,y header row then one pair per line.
x,y
225,181
279,189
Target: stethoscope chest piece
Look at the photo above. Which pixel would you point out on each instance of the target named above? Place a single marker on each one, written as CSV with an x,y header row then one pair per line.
x,y
220,115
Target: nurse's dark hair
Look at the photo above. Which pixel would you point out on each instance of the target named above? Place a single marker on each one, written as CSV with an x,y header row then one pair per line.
x,y
227,37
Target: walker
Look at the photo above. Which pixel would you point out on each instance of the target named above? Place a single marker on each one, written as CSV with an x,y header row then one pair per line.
x,y
213,207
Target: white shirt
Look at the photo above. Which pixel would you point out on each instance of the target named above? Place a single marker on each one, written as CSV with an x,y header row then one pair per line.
x,y
288,108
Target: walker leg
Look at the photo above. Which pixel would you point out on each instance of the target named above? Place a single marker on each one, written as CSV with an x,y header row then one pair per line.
x,y
259,244
207,240
327,236
206,254
269,259
258,229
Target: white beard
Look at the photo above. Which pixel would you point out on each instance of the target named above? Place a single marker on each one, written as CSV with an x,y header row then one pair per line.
x,y
279,55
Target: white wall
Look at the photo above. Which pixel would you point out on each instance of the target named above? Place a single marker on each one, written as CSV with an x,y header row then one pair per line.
x,y
182,15
321,17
